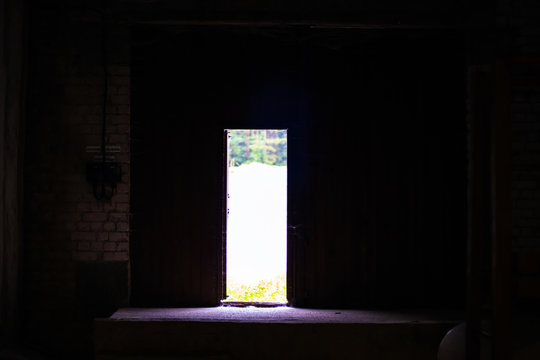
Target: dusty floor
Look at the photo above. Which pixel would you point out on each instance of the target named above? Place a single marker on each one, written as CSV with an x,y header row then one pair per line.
x,y
281,314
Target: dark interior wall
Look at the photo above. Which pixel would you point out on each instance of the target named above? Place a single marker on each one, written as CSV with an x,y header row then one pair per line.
x,y
13,47
381,11
377,177
176,254
386,183
77,249
524,103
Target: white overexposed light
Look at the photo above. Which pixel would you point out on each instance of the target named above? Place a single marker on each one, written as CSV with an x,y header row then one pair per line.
x,y
256,223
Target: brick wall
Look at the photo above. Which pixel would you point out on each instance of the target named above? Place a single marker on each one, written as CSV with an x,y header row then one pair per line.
x,y
74,244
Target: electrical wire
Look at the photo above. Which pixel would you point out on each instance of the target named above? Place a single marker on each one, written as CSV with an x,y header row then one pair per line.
x,y
100,188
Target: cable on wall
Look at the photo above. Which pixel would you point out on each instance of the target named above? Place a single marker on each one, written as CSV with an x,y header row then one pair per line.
x,y
104,175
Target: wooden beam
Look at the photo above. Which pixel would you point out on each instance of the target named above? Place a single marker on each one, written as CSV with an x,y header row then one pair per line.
x,y
501,215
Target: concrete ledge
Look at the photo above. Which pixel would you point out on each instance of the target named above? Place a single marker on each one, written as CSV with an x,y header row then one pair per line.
x,y
282,314
268,333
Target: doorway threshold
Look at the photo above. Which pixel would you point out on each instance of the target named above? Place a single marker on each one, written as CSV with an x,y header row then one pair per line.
x,y
283,314
242,304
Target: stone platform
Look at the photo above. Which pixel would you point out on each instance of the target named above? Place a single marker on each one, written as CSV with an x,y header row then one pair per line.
x,y
269,333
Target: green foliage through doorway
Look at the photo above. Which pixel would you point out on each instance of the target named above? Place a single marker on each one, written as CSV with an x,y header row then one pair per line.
x,y
263,146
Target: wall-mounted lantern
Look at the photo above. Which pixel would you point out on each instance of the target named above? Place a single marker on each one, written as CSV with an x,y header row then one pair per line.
x,y
104,176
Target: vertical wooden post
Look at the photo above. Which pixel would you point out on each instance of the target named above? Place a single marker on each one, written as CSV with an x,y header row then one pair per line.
x,y
479,206
501,196
489,254
222,261
501,215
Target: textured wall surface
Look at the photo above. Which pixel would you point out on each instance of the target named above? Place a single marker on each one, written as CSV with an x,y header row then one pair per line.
x,y
77,249
525,151
12,108
74,243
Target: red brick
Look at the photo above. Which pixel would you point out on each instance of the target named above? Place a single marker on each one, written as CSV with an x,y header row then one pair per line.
x,y
84,256
120,80
123,90
95,217
123,158
123,109
99,206
122,189
96,246
118,71
119,236
109,246
116,256
83,236
122,206
90,129
96,226
120,99
122,129
118,217
109,226
84,245
83,226
122,226
118,139
120,119
121,198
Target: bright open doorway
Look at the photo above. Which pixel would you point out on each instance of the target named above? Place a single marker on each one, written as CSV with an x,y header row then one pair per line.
x,y
256,237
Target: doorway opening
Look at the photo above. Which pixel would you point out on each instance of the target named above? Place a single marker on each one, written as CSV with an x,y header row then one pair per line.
x,y
256,212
